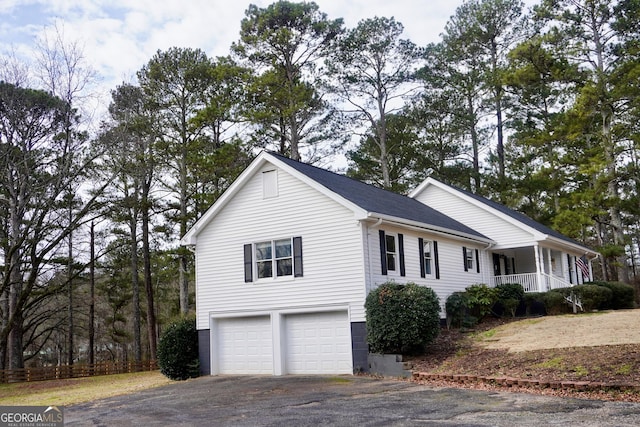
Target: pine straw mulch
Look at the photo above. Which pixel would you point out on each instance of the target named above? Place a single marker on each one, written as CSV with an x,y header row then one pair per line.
x,y
456,358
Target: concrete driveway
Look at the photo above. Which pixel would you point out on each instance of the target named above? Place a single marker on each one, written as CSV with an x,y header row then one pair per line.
x,y
340,401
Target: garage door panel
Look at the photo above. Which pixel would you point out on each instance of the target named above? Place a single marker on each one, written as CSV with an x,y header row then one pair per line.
x,y
318,343
245,345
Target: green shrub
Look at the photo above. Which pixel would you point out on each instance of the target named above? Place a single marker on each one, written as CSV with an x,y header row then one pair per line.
x,y
534,303
622,297
457,310
401,318
555,302
593,297
178,350
480,300
509,296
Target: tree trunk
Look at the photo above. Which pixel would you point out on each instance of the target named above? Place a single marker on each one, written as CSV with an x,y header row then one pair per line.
x,y
183,277
137,342
146,254
70,301
15,320
475,144
92,297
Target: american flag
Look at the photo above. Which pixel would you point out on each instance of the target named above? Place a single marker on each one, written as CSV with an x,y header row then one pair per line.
x,y
582,265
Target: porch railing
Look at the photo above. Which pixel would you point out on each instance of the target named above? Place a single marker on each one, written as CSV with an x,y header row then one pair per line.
x,y
529,281
554,282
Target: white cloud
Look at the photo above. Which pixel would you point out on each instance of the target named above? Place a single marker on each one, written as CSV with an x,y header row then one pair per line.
x,y
120,36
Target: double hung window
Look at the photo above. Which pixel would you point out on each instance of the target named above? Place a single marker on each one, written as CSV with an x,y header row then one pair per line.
x,y
429,263
391,250
391,253
273,259
428,257
470,259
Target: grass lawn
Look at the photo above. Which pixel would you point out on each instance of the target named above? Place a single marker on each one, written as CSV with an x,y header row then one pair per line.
x,y
77,390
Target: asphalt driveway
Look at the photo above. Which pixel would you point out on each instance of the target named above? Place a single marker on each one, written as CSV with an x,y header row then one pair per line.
x,y
340,401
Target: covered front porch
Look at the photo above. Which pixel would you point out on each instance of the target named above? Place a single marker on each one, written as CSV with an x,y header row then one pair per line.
x,y
538,268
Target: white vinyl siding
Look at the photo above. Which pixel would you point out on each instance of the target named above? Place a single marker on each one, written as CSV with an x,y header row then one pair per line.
x,y
452,275
332,251
479,219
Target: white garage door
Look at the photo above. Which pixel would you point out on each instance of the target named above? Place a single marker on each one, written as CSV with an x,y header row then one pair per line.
x,y
245,345
318,343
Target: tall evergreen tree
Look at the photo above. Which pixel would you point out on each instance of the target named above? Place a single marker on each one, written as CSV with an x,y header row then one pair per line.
x,y
589,38
284,42
372,73
174,83
481,33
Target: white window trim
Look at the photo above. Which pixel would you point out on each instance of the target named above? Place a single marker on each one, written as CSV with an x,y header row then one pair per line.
x,y
428,243
471,257
274,259
395,271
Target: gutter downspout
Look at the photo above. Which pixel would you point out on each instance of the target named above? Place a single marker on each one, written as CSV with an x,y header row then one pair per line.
x,y
369,267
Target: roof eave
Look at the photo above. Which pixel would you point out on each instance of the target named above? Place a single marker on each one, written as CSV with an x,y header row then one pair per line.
x,y
430,227
576,246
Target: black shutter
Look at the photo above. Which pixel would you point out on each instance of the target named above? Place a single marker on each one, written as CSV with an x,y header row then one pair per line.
x,y
383,252
570,269
421,253
436,260
401,253
297,256
464,258
477,262
248,263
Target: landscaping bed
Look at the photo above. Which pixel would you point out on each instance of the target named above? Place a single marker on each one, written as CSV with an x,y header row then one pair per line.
x,y
590,355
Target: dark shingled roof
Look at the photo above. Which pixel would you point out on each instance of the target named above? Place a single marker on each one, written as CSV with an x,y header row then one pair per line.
x,y
518,216
376,200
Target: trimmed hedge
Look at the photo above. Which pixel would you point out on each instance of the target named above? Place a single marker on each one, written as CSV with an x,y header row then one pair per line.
x,y
534,303
622,295
457,311
555,303
510,296
402,318
178,350
469,307
592,297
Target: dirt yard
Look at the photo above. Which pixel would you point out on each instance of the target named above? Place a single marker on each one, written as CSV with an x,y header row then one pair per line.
x,y
602,348
584,330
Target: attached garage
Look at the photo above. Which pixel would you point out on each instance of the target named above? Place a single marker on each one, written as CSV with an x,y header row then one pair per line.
x,y
282,343
318,343
245,345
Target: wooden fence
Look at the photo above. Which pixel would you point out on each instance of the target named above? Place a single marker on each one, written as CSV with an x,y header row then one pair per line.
x,y
75,371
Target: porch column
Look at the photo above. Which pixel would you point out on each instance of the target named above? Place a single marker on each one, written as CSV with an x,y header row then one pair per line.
x,y
536,251
564,267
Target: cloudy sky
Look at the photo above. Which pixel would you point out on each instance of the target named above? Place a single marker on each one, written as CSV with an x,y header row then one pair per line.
x,y
120,36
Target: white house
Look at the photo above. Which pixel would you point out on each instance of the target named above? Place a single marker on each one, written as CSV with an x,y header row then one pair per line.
x,y
524,251
286,257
